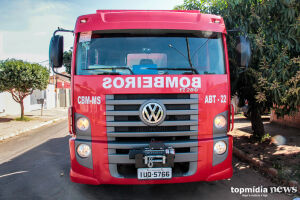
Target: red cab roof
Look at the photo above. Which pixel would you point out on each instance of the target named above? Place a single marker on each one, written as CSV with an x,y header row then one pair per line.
x,y
150,19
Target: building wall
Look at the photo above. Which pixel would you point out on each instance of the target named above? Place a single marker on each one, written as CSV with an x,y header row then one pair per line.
x,y
9,107
63,97
2,108
291,121
50,97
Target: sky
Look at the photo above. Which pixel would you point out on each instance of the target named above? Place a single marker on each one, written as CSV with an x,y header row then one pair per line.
x,y
26,26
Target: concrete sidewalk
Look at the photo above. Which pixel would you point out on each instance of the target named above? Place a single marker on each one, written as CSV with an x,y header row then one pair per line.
x,y
9,127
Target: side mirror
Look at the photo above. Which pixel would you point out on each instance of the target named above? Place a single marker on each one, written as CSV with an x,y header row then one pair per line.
x,y
244,51
56,50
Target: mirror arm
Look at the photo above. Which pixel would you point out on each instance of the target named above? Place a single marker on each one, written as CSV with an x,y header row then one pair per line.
x,y
60,73
62,30
242,71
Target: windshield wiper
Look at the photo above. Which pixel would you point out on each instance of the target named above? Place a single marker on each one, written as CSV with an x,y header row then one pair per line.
x,y
209,72
179,69
187,58
200,47
112,68
109,73
188,51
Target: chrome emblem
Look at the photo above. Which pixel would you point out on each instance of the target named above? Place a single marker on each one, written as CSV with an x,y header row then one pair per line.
x,y
152,112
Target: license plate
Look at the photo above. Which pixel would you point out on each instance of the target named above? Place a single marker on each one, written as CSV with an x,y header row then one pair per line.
x,y
154,173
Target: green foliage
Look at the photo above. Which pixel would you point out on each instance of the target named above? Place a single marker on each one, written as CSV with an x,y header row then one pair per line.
x,y
273,78
22,76
67,59
265,137
205,6
273,27
20,79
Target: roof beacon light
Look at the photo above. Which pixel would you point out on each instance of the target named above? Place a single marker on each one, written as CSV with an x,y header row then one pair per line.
x,y
217,21
83,20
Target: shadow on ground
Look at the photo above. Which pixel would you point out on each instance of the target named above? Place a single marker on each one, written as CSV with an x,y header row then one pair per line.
x,y
240,119
285,158
43,173
5,119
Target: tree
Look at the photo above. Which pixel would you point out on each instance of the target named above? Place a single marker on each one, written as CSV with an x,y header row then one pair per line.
x,y
20,78
273,78
67,59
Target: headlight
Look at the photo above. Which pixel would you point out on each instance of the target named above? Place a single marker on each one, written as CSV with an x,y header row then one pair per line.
x,y
220,121
220,147
84,150
82,123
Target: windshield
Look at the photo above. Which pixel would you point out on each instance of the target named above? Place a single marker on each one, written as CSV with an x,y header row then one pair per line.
x,y
119,54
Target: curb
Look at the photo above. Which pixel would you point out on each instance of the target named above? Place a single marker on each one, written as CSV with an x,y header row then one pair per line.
x,y
271,172
31,128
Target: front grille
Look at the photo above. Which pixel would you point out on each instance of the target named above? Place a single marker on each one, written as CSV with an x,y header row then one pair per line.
x,y
152,128
125,131
137,118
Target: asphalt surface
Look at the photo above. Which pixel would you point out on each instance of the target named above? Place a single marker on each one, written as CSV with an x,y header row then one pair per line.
x,y
36,165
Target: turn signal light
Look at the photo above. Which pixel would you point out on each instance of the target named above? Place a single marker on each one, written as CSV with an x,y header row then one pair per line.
x,y
220,121
220,147
82,123
84,150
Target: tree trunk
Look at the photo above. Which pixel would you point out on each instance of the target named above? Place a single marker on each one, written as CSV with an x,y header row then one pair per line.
x,y
257,124
22,109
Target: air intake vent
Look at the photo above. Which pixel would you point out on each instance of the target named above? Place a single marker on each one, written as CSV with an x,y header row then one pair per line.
x,y
125,129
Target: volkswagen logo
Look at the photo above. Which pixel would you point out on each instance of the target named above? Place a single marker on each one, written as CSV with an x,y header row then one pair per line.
x,y
152,112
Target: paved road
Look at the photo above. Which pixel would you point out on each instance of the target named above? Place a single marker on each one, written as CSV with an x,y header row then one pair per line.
x,y
36,166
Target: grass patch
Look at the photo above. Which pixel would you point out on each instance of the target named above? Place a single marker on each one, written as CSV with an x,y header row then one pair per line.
x,y
265,137
25,119
277,165
240,114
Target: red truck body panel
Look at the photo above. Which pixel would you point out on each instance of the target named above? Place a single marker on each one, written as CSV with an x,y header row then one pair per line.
x,y
150,19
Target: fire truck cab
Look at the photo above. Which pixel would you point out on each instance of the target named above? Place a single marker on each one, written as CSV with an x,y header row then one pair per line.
x,y
150,97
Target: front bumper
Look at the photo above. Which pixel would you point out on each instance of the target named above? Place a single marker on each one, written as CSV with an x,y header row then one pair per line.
x,y
209,167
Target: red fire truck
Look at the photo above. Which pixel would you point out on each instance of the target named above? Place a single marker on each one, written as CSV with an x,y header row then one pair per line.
x,y
150,97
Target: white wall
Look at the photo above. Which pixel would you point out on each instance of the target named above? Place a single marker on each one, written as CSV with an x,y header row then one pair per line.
x,y
11,107
50,97
1,103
